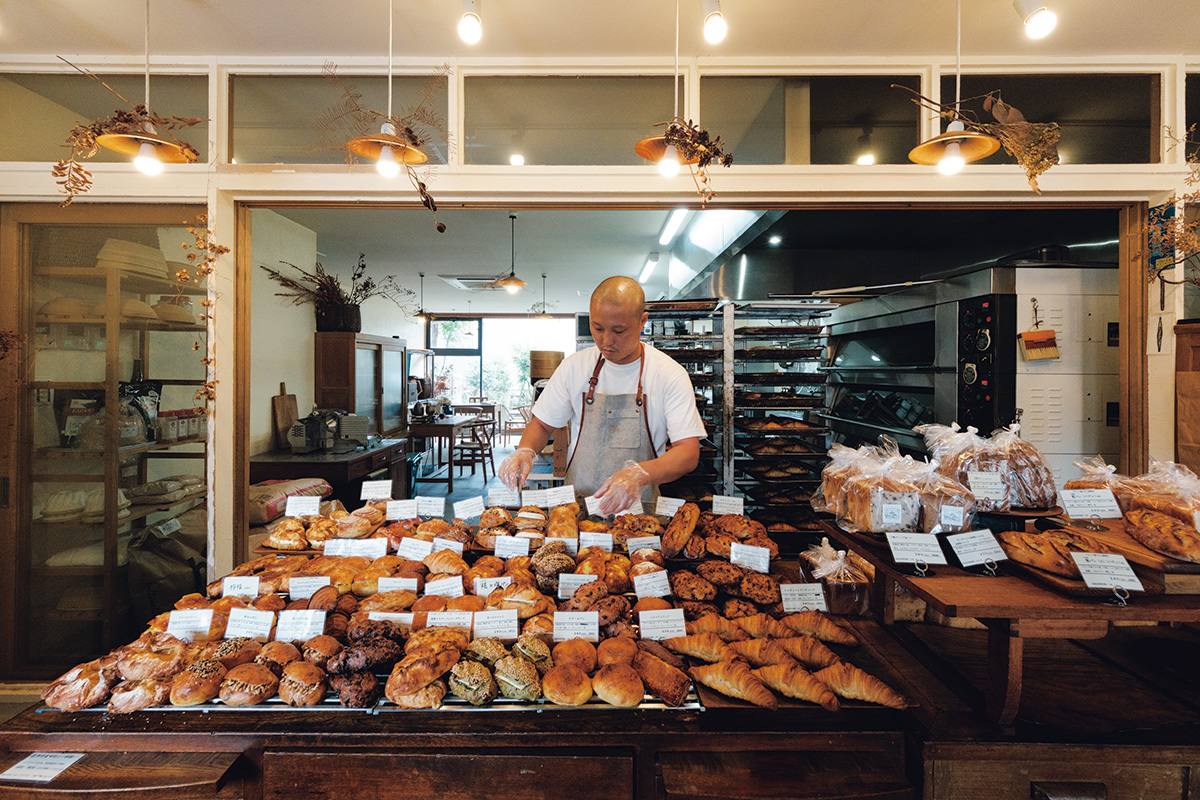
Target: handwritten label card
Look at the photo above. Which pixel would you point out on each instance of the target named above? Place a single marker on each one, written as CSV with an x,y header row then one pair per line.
x,y
667,506
593,505
750,557
799,597
576,625
189,623
485,586
976,547
568,583
535,497
446,587
415,549
602,540
509,546
450,619
249,622
40,767
299,625
447,544
392,584
300,588
502,625
509,498
634,509
403,619
370,548
652,584
401,509
724,504
470,508
642,542
662,624
910,548
376,490
951,516
1107,571
1088,503
987,485
302,506
560,495
243,586
431,506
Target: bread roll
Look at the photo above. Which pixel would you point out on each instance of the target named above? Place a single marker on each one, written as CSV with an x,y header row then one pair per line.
x,y
618,684
197,684
619,650
468,602
430,602
302,684
644,568
240,650
578,652
647,554
567,685
652,604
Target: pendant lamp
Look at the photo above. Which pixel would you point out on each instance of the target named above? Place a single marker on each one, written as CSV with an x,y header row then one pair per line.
x,y
951,150
511,283
544,312
655,148
421,311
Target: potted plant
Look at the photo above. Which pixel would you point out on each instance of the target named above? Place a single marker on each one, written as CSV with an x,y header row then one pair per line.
x,y
338,309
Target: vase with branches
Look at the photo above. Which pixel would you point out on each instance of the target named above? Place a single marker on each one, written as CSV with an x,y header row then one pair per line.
x,y
337,306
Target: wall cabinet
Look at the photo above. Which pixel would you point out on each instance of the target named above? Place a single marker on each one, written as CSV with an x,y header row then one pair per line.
x,y
363,374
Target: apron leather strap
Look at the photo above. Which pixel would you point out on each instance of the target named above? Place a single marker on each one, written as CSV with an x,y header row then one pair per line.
x,y
589,398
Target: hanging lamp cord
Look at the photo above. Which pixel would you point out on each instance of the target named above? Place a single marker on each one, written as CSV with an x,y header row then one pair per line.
x,y
957,59
148,57
675,77
391,7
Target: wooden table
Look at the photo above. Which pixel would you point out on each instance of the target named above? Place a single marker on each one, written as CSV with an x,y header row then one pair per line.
x,y
344,471
447,429
1013,608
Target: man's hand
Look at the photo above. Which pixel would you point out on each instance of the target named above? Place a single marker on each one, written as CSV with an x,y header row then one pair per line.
x,y
620,490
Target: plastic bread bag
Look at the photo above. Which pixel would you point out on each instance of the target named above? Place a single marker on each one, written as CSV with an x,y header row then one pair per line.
x,y
878,501
967,452
1169,488
847,589
815,557
943,440
946,505
843,462
1030,478
1096,473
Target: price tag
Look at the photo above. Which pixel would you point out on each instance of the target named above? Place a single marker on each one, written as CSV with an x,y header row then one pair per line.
x,y
502,625
485,586
509,546
910,548
169,526
401,509
652,584
560,495
1088,503
593,505
300,588
602,540
976,547
1107,571
803,597
302,506
190,623
952,516
636,508
450,619
392,584
572,544
249,622
535,497
299,625
376,490
504,496
470,508
568,583
40,767
750,557
447,544
446,587
987,485
403,619
371,548
576,625
667,506
431,506
891,513
244,586
662,624
415,549
642,542
723,504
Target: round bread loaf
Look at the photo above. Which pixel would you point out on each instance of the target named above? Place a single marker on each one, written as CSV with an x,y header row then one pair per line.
x,y
467,602
566,685
541,626
619,685
240,650
644,568
199,683
302,684
652,604
248,685
578,652
647,554
277,655
618,650
430,602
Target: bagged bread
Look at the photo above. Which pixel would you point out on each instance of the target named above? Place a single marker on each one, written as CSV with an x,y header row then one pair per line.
x,y
1168,488
946,505
1097,474
960,453
1030,479
843,462
847,589
879,500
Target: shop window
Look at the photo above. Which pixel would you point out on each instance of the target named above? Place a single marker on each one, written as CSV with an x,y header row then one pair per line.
x,y
45,107
825,119
274,118
1104,118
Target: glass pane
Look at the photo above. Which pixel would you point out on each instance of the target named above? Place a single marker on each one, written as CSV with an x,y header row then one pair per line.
x,y
1105,119
824,119
563,119
454,334
395,385
274,116
50,105
456,378
506,346
366,367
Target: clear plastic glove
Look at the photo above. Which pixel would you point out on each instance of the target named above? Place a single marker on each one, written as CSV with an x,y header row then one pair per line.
x,y
622,489
515,469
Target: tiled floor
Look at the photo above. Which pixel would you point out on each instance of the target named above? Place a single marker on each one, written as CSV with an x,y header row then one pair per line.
x,y
467,485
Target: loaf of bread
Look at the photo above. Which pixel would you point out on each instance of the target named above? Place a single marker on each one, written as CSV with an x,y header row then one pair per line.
x,y
1173,504
1051,550
946,505
880,503
1031,479
1164,534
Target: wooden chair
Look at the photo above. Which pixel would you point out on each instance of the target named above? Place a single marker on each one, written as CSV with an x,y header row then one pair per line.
x,y
475,446
511,424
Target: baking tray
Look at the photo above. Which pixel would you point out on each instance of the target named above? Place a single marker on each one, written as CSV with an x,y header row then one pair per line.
x,y
777,354
777,331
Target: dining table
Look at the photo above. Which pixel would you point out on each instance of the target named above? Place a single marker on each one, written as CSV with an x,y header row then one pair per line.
x,y
442,429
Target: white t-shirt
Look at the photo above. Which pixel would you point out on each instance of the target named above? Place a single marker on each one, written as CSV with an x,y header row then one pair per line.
x,y
665,384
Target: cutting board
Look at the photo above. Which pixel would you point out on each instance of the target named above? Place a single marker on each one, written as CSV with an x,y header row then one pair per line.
x,y
284,415
1115,536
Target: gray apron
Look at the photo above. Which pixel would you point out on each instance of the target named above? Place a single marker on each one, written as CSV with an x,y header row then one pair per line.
x,y
613,429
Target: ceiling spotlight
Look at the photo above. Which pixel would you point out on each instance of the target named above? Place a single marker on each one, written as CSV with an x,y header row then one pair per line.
x,y
714,22
774,240
470,27
517,160
1039,20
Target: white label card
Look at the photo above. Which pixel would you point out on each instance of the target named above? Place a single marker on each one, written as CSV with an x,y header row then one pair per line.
x,y
989,485
667,506
576,625
602,540
189,623
485,586
502,625
535,497
302,507
572,544
509,498
446,587
470,508
403,619
642,542
1107,571
40,767
652,584
431,506
724,504
509,546
662,624
376,490
249,622
976,547
750,557
371,548
167,527
593,505
909,548
450,619
300,588
299,625
799,597
243,586
416,549
568,583
636,508
447,544
892,513
401,509
392,584
560,495
1088,503
952,516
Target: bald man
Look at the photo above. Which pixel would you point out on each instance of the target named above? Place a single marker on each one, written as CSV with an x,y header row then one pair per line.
x,y
632,410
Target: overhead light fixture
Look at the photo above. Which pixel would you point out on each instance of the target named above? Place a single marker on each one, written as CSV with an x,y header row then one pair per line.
x,y
714,22
655,148
387,149
951,150
516,160
866,155
545,309
470,27
671,229
648,270
774,240
421,315
1038,19
511,283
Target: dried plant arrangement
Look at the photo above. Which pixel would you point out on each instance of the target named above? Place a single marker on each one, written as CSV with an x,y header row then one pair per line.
x,y
1174,235
323,288
695,145
202,253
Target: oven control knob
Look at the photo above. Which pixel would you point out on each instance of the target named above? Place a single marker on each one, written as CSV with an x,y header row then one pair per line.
x,y
969,374
983,340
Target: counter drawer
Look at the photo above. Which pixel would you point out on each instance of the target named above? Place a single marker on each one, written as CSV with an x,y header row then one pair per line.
x,y
379,460
988,780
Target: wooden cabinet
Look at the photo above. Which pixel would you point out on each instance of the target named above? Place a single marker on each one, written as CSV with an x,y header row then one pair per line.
x,y
363,374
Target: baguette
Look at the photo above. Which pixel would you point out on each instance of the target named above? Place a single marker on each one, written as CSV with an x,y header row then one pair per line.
x,y
1164,534
734,679
848,681
791,681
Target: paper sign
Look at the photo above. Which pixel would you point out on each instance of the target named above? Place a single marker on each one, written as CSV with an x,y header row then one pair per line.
x,y
636,508
167,527
371,548
470,508
910,548
987,485
249,622
415,549
535,497
652,584
568,583
300,588
392,584
1088,503
799,597
560,495
40,767
976,547
951,516
302,506
299,625
667,506
576,625
450,619
1107,571
447,544
485,586
446,587
750,557
602,540
723,504
376,490
662,624
402,619
572,544
593,505
509,546
243,586
510,498
401,509
189,623
642,542
431,506
502,625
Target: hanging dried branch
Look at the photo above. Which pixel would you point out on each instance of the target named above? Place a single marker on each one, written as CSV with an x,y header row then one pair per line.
x,y
694,143
202,253
1174,235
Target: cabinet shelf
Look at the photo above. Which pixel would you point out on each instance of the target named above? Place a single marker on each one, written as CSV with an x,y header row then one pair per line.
x,y
127,324
123,451
141,284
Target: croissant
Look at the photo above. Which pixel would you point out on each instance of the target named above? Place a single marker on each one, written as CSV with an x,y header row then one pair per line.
x,y
808,651
761,652
704,646
415,672
847,680
445,562
727,629
761,626
734,679
792,681
814,623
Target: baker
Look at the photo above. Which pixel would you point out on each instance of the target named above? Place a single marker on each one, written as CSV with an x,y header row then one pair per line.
x,y
631,409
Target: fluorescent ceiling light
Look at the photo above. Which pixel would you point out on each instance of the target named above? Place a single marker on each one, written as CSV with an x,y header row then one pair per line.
x,y
671,229
648,270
